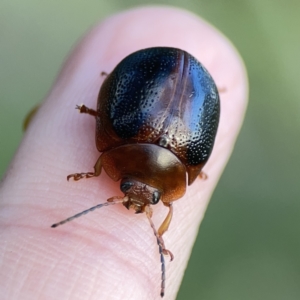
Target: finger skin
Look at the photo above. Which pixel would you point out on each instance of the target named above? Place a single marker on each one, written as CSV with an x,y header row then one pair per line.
x,y
110,253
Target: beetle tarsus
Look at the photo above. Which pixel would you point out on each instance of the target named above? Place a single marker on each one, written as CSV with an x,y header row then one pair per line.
x,y
85,110
78,176
168,252
97,172
164,250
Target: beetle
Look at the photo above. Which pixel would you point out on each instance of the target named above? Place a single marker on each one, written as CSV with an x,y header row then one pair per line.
x,y
156,121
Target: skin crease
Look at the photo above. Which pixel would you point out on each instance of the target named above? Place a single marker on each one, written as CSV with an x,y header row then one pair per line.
x,y
110,253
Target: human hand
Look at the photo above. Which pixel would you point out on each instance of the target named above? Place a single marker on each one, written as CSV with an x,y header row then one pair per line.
x,y
110,253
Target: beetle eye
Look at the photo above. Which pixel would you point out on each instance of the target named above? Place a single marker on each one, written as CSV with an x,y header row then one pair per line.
x,y
125,186
155,197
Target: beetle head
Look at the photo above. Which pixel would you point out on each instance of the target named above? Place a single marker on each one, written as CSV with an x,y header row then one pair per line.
x,y
138,194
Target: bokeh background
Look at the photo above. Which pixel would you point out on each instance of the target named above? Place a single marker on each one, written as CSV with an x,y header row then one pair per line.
x,y
249,243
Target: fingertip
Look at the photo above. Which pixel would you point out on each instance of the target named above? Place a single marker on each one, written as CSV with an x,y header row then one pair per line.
x,y
59,142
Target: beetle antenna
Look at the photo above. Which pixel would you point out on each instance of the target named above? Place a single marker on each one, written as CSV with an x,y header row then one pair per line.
x,y
161,252
110,201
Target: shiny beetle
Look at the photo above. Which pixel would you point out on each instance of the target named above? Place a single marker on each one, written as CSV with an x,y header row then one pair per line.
x,y
156,121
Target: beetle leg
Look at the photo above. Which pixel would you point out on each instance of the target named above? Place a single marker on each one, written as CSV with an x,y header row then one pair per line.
x,y
104,74
165,224
159,238
164,227
85,110
202,175
164,250
97,172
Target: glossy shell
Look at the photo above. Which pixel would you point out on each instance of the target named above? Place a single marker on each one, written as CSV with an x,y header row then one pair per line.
x,y
161,96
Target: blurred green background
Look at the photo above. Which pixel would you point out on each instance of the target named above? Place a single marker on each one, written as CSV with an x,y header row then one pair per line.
x,y
249,243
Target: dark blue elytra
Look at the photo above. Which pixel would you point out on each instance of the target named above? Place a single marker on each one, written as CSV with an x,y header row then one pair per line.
x,y
161,94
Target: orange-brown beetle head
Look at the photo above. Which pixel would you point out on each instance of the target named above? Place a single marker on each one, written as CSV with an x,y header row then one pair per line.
x,y
139,194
